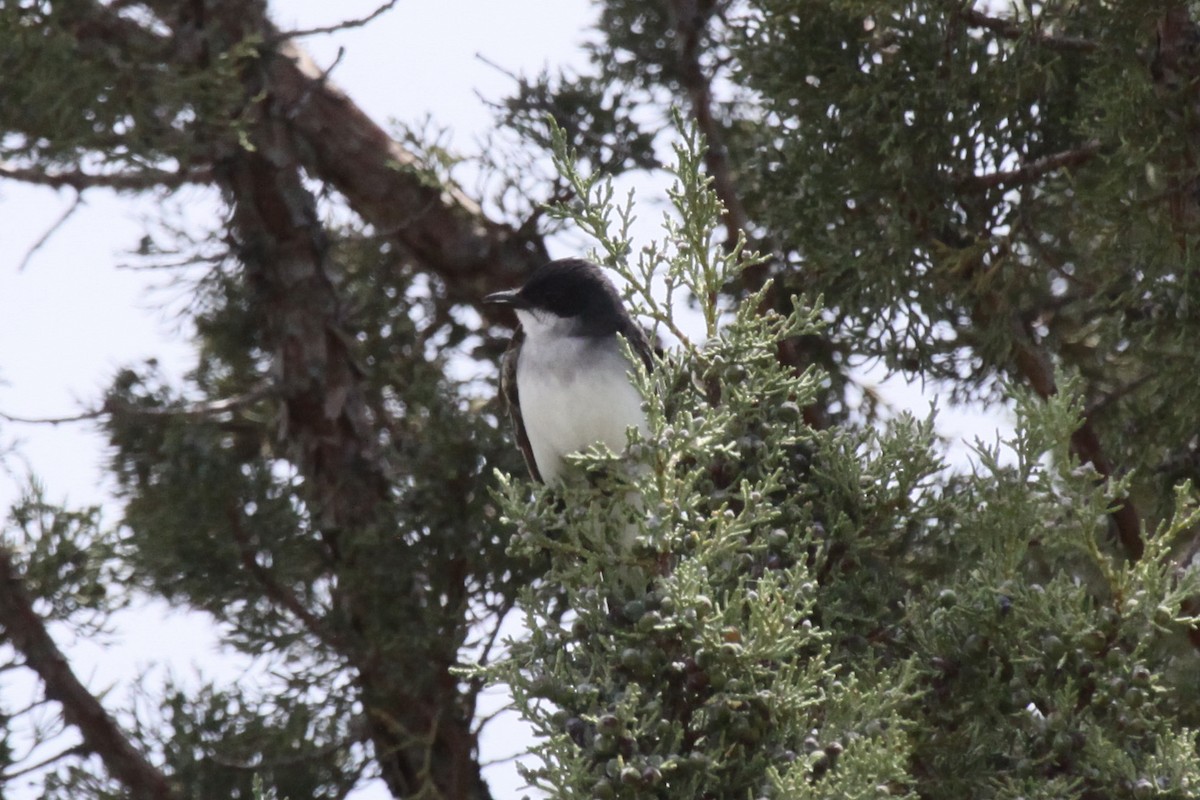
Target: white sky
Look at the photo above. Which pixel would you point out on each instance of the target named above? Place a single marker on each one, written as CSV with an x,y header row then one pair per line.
x,y
70,318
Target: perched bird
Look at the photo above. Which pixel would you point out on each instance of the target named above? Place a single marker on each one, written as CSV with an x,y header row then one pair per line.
x,y
565,375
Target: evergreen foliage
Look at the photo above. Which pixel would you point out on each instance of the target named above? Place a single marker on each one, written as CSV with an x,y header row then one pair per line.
x,y
835,613
816,602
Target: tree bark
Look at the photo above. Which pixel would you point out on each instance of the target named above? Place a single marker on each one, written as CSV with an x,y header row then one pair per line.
x,y
26,631
422,741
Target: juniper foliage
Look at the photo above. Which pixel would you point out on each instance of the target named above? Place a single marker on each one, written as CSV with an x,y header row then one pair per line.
x,y
835,613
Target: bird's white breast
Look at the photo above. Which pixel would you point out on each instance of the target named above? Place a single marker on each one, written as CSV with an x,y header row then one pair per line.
x,y
575,391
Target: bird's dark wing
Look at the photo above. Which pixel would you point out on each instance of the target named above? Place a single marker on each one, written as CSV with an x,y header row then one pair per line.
x,y
508,387
635,334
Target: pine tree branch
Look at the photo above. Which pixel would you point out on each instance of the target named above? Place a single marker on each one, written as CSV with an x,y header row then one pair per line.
x,y
328,430
26,631
299,125
439,226
446,231
1010,29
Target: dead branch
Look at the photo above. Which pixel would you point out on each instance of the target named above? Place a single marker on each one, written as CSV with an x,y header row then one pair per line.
x,y
340,26
49,234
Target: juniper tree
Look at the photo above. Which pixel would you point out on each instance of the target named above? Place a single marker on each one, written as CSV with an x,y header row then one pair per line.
x,y
963,189
998,201
836,612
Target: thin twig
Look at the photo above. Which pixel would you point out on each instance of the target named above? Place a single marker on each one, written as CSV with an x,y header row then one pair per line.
x,y
82,417
340,26
45,237
202,409
77,750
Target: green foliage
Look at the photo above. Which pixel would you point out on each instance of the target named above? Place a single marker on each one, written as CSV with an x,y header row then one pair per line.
x,y
113,101
217,518
66,558
228,743
832,613
746,604
691,665
896,192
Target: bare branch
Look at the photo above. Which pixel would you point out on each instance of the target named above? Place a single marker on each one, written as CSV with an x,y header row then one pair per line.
x,y
80,417
340,26
77,750
26,631
111,406
79,180
45,237
1032,170
1011,29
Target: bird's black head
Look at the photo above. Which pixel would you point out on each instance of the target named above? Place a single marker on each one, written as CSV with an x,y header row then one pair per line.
x,y
570,288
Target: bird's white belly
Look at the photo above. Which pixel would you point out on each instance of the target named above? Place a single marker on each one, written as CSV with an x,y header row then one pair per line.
x,y
574,396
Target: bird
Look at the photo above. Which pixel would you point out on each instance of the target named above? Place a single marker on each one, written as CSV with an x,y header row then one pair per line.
x,y
565,376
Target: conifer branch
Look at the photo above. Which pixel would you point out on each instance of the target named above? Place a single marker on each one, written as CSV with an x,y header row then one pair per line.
x,y
1010,29
276,591
1032,170
131,181
1035,367
27,633
690,24
440,226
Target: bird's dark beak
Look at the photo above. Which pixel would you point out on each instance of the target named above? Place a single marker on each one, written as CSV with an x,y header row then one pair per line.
x,y
510,298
